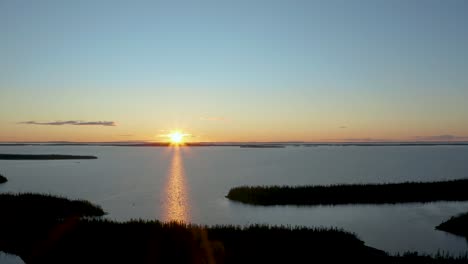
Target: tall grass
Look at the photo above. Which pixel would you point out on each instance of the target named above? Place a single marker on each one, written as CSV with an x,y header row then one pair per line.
x,y
389,193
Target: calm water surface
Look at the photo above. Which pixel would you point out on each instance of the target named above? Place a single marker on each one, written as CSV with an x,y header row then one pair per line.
x,y
189,184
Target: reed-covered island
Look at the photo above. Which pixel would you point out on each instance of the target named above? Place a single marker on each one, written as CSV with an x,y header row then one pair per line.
x,y
3,179
43,157
34,206
388,193
457,225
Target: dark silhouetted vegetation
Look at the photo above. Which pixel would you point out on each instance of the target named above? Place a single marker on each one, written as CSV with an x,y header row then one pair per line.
x,y
77,240
390,193
33,206
457,225
3,179
414,257
42,157
103,241
53,232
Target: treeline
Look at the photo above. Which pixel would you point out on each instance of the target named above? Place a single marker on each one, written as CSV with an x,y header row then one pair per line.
x,y
389,193
35,206
73,240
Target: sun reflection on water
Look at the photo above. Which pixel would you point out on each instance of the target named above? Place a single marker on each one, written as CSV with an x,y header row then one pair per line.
x,y
175,192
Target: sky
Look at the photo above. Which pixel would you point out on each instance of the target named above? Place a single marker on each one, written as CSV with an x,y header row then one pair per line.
x,y
244,70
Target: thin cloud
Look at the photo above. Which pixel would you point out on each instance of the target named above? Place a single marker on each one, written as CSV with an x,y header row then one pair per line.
x,y
441,138
71,122
96,123
343,127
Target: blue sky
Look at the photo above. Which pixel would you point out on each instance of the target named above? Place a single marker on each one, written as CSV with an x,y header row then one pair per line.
x,y
234,70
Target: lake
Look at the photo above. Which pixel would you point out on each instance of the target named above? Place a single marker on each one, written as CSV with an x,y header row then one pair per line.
x,y
189,184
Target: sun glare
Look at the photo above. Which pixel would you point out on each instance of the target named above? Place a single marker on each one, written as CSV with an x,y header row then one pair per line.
x,y
176,137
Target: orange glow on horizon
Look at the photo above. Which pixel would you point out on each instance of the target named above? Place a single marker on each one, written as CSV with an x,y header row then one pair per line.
x,y
176,137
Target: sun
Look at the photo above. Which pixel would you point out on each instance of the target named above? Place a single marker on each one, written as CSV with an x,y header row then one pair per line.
x,y
176,137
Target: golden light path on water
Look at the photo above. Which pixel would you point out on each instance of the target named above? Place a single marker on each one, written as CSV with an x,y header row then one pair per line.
x,y
176,198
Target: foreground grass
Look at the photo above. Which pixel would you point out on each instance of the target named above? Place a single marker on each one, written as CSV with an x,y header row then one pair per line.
x,y
457,225
3,179
42,157
29,205
391,193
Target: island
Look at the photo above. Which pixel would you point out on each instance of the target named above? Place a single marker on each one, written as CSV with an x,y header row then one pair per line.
x,y
3,179
388,193
33,205
457,225
43,157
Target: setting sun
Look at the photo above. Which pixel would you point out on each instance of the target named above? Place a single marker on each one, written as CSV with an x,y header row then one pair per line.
x,y
176,137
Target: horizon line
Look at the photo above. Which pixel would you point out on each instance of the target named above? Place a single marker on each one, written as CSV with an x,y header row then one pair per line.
x,y
242,142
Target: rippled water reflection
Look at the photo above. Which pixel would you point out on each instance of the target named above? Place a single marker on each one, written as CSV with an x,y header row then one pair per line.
x,y
176,195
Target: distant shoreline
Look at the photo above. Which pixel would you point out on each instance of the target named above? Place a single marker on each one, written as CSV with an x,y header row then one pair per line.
x,y
389,193
239,144
42,157
263,146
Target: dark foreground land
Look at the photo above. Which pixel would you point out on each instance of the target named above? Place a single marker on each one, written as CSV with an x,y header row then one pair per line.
x,y
391,193
74,240
42,157
3,179
31,205
49,229
457,225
